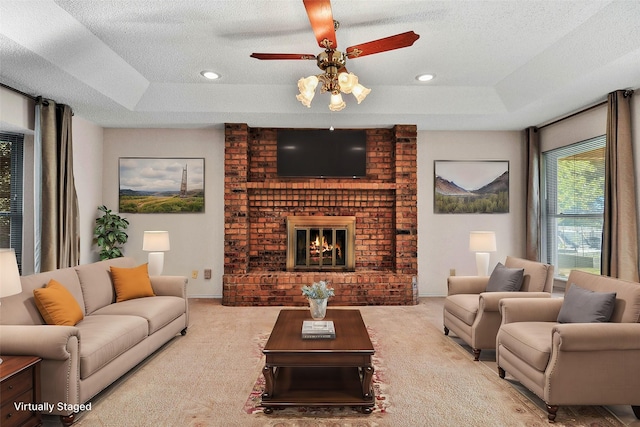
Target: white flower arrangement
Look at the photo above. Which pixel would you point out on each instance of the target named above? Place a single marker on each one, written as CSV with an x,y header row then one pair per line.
x,y
318,290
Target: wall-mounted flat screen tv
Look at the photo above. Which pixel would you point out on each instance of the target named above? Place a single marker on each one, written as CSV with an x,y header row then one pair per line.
x,y
322,153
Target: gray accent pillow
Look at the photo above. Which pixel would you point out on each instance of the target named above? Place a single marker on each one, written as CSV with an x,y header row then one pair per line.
x,y
584,306
504,279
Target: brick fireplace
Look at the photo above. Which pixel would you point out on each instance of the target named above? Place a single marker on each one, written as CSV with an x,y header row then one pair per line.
x,y
258,203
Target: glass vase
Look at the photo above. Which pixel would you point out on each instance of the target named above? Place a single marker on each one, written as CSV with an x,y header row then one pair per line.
x,y
318,308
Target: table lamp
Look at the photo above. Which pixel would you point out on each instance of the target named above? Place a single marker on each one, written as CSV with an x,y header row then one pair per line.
x,y
482,242
156,242
9,274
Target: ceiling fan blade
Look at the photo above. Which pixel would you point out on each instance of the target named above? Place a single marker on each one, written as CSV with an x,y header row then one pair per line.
x,y
283,56
382,45
321,20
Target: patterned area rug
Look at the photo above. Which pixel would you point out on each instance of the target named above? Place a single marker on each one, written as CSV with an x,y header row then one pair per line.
x,y
382,405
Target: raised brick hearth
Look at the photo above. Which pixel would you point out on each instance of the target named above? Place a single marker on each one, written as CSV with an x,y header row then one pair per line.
x,y
257,203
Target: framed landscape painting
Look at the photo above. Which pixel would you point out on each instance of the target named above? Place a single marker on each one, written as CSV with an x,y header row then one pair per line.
x,y
161,185
474,186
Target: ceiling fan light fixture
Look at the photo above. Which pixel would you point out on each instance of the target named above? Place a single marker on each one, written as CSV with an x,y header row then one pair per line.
x,y
337,103
332,62
211,75
424,77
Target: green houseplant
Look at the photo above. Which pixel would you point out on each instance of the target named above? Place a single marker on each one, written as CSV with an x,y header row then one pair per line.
x,y
109,233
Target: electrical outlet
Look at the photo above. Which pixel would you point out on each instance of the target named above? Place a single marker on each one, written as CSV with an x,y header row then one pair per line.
x,y
194,274
207,273
452,272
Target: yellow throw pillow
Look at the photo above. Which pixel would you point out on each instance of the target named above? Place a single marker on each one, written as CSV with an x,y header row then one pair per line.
x,y
56,305
131,283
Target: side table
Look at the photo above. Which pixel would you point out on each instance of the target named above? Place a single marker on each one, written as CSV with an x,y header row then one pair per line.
x,y
19,385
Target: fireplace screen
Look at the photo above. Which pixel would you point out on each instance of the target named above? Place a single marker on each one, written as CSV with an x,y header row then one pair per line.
x,y
320,243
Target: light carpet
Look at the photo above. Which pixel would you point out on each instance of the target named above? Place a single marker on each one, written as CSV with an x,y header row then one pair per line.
x,y
205,378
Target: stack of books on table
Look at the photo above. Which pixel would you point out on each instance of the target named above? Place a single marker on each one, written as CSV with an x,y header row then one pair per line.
x,y
318,330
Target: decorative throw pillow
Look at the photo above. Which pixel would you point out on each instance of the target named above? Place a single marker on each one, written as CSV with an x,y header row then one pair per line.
x,y
584,306
131,283
56,305
504,279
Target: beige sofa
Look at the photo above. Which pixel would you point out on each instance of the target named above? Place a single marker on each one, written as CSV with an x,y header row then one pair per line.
x,y
472,314
80,361
574,363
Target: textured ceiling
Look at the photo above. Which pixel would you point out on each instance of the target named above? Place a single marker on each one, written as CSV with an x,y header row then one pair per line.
x,y
499,65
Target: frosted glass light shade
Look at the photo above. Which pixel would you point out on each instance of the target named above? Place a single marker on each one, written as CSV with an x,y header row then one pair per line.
x,y
9,273
337,103
360,92
308,84
305,99
307,87
347,81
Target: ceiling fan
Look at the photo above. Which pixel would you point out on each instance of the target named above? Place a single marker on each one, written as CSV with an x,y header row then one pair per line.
x,y
335,78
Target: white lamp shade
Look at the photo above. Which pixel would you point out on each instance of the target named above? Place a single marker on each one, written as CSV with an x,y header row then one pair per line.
x,y
9,273
156,241
482,241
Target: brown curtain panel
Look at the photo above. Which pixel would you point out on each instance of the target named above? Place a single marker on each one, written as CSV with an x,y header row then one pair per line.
x,y
620,228
60,239
532,238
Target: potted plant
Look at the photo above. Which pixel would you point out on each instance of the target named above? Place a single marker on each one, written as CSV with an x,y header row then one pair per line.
x,y
109,233
318,294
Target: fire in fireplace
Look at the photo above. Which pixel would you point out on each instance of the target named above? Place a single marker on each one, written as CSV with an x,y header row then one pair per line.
x,y
321,243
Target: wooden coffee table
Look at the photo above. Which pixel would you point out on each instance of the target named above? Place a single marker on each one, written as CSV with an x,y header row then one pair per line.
x,y
323,372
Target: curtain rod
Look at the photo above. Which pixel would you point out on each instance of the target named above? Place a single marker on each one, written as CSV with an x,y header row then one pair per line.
x,y
37,99
572,115
18,91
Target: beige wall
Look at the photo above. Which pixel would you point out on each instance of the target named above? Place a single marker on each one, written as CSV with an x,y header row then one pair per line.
x,y
443,239
197,240
87,171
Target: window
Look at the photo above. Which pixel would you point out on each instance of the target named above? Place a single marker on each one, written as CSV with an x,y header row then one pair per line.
x,y
11,149
574,183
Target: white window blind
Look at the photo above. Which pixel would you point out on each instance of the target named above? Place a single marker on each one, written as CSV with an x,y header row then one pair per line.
x,y
11,190
574,189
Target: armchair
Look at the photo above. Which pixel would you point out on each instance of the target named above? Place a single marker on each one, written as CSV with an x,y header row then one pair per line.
x,y
473,314
574,363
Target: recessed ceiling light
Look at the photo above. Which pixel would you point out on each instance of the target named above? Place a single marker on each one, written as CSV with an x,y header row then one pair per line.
x,y
424,77
210,75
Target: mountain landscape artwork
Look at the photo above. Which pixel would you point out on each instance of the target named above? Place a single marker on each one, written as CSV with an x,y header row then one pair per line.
x,y
471,186
161,185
